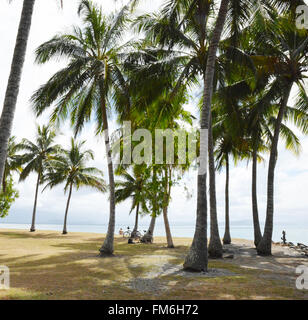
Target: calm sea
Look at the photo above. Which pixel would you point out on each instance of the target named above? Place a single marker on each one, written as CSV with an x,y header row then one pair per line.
x,y
294,233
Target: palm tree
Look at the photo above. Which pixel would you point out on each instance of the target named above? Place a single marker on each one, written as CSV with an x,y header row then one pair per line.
x,y
84,87
133,186
36,158
71,169
255,128
284,56
215,248
225,146
11,163
10,100
197,259
260,123
260,28
181,32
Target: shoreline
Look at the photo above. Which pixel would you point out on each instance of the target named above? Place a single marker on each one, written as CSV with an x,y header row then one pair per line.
x,y
290,245
85,233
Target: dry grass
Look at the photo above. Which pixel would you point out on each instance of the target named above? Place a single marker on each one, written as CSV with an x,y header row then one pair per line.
x,y
48,265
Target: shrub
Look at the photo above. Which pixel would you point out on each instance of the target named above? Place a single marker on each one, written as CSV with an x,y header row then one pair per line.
x,y
7,198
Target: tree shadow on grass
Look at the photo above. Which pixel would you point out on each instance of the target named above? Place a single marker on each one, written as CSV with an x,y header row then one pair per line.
x,y
73,270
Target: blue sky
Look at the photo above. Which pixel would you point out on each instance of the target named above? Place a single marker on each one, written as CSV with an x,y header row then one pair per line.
x,y
91,207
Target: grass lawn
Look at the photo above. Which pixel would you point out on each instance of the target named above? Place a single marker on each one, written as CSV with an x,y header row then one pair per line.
x,y
48,265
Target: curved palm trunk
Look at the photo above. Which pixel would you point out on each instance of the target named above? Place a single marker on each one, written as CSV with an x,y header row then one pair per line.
x,y
136,221
148,237
165,209
66,210
197,257
10,100
227,237
108,245
255,213
265,245
32,229
215,246
167,228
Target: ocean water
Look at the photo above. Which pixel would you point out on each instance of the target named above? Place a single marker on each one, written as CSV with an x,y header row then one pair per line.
x,y
293,233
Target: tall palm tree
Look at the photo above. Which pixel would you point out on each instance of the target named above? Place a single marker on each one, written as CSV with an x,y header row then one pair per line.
x,y
197,258
181,32
71,169
10,100
285,53
227,144
260,124
36,157
133,186
91,83
263,74
215,248
255,129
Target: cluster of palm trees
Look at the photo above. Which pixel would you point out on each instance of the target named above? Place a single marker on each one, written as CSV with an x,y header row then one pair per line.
x,y
53,166
245,57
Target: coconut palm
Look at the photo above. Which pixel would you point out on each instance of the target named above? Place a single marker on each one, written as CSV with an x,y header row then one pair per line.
x,y
284,49
10,100
181,31
133,186
215,248
259,16
260,124
71,170
36,157
227,144
197,256
92,82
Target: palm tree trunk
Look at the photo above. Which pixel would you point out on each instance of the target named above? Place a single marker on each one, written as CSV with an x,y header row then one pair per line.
x,y
215,246
227,237
197,257
32,229
10,100
136,222
148,237
4,183
167,228
165,210
255,213
108,245
66,210
265,245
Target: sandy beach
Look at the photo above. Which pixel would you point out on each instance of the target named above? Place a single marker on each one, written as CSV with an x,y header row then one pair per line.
x,y
48,265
